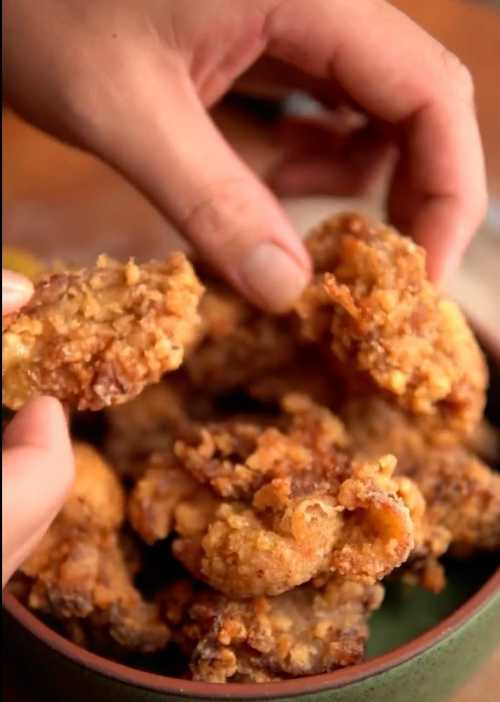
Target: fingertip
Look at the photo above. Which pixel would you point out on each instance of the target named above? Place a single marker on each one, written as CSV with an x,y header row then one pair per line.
x,y
41,424
442,267
16,291
272,278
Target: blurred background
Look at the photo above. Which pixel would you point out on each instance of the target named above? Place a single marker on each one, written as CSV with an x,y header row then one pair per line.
x,y
61,203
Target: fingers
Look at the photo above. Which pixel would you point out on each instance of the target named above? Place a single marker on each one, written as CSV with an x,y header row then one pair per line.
x,y
177,156
16,291
399,74
37,472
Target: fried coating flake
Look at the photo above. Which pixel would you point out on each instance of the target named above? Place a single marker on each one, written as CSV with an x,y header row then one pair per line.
x,y
96,337
153,502
461,492
81,570
372,304
306,631
279,506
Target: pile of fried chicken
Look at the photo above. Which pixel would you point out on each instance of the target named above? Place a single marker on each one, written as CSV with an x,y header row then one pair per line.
x,y
289,464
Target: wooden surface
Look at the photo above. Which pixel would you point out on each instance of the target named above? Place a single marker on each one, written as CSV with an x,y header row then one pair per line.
x,y
63,203
471,29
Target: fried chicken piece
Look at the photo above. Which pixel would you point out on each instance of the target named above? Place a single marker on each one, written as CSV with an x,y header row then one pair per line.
x,y
148,424
308,374
81,570
372,304
462,494
278,508
96,337
157,495
305,631
237,343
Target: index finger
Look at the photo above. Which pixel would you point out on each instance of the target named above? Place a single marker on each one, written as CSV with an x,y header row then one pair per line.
x,y
399,74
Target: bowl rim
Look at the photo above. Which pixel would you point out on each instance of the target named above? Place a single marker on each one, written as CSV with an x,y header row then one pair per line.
x,y
241,691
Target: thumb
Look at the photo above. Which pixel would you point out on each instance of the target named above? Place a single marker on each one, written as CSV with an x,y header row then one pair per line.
x,y
16,291
174,153
37,472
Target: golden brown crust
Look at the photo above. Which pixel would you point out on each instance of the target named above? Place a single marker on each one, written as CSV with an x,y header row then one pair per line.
x,y
372,303
150,423
284,496
97,337
462,494
303,632
280,506
81,569
236,344
153,501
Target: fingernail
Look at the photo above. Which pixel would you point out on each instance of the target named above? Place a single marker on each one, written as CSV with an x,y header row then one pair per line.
x,y
16,290
16,283
274,280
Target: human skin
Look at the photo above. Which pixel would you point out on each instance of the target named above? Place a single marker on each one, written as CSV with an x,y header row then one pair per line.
x,y
131,82
37,460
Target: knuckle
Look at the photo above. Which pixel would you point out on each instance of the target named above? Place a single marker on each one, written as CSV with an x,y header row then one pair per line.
x,y
459,75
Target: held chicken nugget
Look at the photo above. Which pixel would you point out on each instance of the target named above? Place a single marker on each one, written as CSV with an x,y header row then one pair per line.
x,y
373,305
96,337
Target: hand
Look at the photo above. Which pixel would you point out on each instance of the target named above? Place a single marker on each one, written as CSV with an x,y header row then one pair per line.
x,y
131,82
37,460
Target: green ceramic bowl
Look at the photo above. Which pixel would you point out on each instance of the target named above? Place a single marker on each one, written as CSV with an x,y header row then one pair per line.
x,y
421,647
426,667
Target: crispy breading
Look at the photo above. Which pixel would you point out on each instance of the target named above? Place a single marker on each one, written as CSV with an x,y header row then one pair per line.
x,y
96,337
81,569
156,496
303,632
279,506
462,493
373,305
237,343
148,424
288,466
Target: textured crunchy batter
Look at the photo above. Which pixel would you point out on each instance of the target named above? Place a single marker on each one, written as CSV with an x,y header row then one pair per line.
x,y
462,493
266,465
81,569
372,303
97,337
307,631
280,506
237,343
148,424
